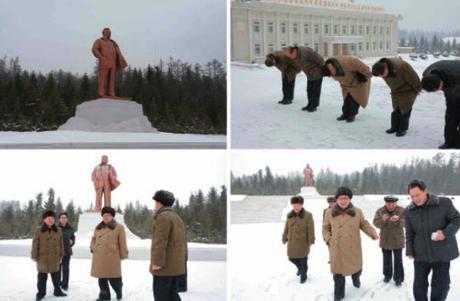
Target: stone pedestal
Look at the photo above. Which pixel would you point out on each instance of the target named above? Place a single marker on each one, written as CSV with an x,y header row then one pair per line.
x,y
308,191
109,115
89,220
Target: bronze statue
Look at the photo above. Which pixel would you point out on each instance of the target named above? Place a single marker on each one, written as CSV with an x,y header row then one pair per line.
x,y
105,180
308,175
111,60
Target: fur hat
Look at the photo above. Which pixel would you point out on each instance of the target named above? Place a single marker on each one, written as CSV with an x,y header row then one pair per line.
x,y
164,197
343,191
297,199
108,210
48,213
390,199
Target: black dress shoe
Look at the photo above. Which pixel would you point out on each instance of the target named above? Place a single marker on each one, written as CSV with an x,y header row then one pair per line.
x,y
285,101
342,117
66,288
119,297
350,119
311,110
298,273
39,298
386,279
305,108
401,133
60,294
445,146
303,278
398,283
391,131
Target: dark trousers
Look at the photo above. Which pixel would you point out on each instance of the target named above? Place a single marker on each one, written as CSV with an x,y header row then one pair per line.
x,y
64,271
115,283
452,126
301,264
400,121
339,283
314,92
165,288
440,280
288,88
41,283
350,106
393,265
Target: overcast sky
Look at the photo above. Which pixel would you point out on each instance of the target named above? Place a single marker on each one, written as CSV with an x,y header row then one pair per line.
x,y
429,15
141,172
58,34
341,161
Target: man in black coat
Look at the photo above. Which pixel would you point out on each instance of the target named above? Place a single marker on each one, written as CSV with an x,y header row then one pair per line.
x,y
445,76
69,241
431,225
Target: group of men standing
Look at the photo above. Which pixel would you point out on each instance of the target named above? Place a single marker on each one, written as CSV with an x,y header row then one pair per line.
x,y
52,248
426,227
354,77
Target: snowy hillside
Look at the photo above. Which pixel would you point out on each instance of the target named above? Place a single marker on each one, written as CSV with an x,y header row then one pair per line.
x,y
260,269
258,121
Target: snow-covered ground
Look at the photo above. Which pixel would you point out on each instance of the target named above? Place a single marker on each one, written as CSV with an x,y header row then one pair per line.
x,y
18,277
259,268
81,139
258,121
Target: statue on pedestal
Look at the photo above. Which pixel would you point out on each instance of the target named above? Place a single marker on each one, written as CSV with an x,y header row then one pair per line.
x,y
308,176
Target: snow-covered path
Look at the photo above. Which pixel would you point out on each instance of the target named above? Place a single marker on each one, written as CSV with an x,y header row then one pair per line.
x,y
258,121
259,268
206,281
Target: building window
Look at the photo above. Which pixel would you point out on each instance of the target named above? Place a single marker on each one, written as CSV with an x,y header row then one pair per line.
x,y
360,46
326,28
352,47
305,28
388,45
270,26
283,45
336,29
316,47
344,29
283,27
257,49
381,30
256,26
375,29
367,46
316,28
374,46
388,30
270,48
294,28
381,45
306,44
352,29
368,29
360,29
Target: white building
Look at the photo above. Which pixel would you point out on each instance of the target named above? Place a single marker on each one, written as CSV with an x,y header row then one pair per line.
x,y
331,28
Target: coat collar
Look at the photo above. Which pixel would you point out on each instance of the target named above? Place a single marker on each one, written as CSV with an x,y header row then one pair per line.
x,y
301,213
67,226
391,67
338,68
45,228
433,201
350,210
111,225
160,211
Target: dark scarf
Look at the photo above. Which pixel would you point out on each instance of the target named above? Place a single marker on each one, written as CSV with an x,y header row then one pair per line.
x,y
350,210
45,228
111,225
292,214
